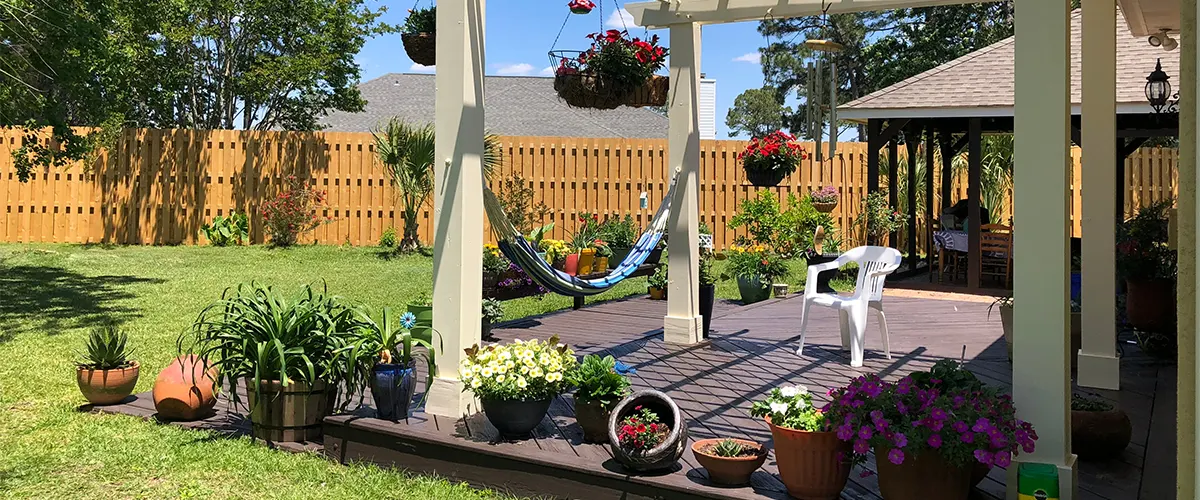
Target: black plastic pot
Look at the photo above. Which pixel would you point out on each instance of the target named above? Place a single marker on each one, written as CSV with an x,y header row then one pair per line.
x,y
392,387
765,178
655,256
515,419
707,296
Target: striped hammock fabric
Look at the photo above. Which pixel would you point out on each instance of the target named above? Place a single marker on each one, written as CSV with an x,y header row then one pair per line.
x,y
518,250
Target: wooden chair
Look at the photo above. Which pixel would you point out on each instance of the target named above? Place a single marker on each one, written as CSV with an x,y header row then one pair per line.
x,y
995,244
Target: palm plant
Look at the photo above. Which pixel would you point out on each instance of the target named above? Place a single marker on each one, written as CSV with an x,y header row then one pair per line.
x,y
996,169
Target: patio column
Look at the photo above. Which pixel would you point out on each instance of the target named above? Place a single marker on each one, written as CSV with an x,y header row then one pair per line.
x,y
682,323
1098,363
458,197
1188,406
1041,366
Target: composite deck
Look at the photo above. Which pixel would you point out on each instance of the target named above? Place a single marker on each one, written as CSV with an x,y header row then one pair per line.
x,y
751,351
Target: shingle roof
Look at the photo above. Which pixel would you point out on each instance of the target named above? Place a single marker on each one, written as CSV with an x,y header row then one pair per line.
x,y
515,105
984,79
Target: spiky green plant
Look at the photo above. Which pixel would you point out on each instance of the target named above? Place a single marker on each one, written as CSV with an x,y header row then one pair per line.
x,y
107,349
728,448
385,341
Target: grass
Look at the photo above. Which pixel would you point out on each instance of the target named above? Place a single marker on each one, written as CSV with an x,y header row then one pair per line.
x,y
52,294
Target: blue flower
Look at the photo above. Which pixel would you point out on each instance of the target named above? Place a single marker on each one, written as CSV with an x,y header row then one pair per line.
x,y
408,320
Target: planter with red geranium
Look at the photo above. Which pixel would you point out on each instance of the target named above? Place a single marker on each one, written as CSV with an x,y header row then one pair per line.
x,y
616,70
581,6
813,463
769,160
647,432
1148,266
419,36
927,437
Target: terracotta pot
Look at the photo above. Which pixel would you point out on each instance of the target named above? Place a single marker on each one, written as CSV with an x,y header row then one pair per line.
x,y
289,414
184,390
1100,435
587,258
657,293
1150,304
922,477
731,471
420,47
978,472
593,418
813,465
668,452
106,387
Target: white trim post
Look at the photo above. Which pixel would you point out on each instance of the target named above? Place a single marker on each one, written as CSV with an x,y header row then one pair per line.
x,y
458,193
682,323
1098,363
1187,241
1041,361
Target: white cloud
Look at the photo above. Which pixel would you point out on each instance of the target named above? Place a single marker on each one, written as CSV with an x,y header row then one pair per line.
x,y
547,71
750,57
421,68
620,19
520,69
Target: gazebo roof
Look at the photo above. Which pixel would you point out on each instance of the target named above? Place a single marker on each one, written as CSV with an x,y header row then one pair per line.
x,y
980,84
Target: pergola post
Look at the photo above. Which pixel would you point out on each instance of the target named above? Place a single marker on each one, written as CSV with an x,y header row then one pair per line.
x,y
1041,365
1187,405
1098,362
683,322
458,198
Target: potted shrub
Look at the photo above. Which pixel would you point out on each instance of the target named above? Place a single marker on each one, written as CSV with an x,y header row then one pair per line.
x,y
769,160
556,252
949,375
616,70
620,233
492,313
583,240
599,388
756,270
729,461
878,219
824,200
658,283
291,385
926,440
708,291
647,432
387,356
419,36
1148,266
1099,431
517,381
813,461
422,309
105,374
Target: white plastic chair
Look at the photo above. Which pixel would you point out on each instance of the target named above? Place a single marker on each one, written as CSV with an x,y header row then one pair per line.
x,y
874,264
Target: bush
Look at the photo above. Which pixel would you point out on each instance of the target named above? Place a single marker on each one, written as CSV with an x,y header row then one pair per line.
x,y
516,197
293,212
878,218
225,231
619,232
388,238
787,232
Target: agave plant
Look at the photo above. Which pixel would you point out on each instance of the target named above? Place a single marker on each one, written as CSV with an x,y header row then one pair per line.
x,y
107,349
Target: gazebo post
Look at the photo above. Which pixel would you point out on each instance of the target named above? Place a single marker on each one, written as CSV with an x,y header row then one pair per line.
x,y
911,141
1187,467
1098,362
974,215
683,322
458,198
929,215
893,184
1041,366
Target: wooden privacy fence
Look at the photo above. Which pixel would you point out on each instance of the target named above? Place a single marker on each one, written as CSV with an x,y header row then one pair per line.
x,y
160,186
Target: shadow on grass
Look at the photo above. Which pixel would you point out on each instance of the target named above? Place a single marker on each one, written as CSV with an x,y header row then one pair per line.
x,y
51,299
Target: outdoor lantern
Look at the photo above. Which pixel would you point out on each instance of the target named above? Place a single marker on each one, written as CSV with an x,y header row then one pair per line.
x,y
1158,88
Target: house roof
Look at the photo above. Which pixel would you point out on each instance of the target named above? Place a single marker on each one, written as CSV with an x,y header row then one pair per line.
x,y
515,105
980,84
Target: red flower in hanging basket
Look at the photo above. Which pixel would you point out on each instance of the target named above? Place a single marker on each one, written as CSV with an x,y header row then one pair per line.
x,y
581,6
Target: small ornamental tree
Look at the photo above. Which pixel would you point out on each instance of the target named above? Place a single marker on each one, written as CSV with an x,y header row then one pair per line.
x,y
294,211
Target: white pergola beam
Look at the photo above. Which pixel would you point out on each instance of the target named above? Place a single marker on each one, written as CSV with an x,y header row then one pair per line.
x,y
664,13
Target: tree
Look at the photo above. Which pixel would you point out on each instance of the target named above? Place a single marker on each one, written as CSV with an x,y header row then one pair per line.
x,y
756,112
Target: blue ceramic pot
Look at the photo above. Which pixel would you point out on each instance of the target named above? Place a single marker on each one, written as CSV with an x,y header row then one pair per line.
x,y
392,387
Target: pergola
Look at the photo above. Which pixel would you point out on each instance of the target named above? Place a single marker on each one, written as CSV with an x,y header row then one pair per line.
x,y
1042,125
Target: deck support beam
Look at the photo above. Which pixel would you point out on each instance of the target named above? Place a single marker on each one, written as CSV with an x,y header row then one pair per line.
x,y
1187,404
1098,363
458,200
683,322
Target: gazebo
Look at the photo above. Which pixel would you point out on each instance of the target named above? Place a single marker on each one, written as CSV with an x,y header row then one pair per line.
x,y
1041,119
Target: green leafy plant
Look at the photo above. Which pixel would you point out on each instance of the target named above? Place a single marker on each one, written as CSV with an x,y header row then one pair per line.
x,y
107,349
621,62
423,299
421,21
619,232
659,278
587,232
728,448
556,250
385,341
225,231
878,218
791,407
786,231
597,381
1000,302
602,248
493,311
388,238
1142,248
948,375
756,262
518,198
1080,402
522,370
707,274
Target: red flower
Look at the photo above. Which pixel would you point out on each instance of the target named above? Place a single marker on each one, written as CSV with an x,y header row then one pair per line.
x,y
641,428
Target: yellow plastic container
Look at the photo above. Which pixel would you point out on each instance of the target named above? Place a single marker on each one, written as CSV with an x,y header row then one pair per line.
x,y
587,258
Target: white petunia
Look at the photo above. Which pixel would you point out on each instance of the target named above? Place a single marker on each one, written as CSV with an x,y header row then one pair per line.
x,y
502,369
524,370
553,377
789,391
505,356
500,378
780,408
801,403
521,383
475,383
801,390
535,372
487,371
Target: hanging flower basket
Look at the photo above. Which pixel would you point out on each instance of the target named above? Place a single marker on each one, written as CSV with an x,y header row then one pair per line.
x,y
421,47
581,6
652,93
769,160
616,70
581,90
824,200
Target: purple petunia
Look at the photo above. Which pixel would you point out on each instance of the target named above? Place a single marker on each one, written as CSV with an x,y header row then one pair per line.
x,y
895,456
982,425
938,414
845,432
934,441
967,437
861,447
1002,459
983,457
900,440
865,432
960,426
876,415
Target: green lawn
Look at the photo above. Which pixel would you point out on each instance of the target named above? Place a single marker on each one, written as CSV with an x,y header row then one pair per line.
x,y
51,294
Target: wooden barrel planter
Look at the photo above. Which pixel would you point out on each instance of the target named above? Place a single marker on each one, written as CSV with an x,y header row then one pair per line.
x,y
421,47
289,414
652,93
669,451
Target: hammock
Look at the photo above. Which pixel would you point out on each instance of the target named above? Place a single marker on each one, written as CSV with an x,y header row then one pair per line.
x,y
518,250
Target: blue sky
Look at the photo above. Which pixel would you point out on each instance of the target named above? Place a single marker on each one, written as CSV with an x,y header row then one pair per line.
x,y
520,32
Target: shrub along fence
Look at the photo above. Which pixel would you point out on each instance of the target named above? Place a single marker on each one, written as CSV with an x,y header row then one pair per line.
x,y
160,186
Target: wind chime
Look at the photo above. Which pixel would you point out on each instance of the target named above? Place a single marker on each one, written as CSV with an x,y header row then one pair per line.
x,y
820,90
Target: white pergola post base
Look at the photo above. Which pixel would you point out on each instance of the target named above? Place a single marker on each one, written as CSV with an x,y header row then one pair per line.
x,y
682,324
458,203
1098,363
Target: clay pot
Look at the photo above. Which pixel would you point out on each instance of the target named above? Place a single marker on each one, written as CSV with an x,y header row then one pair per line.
x,y
184,390
812,465
1150,304
106,387
593,418
922,477
730,471
571,265
601,265
657,293
1100,435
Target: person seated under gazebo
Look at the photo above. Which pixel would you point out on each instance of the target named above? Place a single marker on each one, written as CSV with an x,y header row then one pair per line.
x,y
961,220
